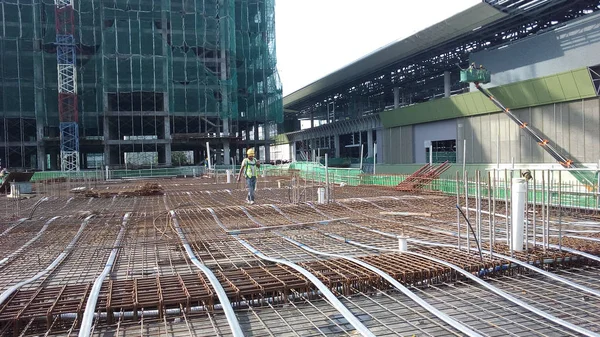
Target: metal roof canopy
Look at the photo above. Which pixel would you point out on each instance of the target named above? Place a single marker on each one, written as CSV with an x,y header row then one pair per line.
x,y
453,27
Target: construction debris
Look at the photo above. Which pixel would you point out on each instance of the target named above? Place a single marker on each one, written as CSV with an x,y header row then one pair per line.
x,y
422,177
147,189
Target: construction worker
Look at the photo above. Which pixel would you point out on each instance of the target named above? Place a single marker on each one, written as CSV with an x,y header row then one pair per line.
x,y
248,169
527,175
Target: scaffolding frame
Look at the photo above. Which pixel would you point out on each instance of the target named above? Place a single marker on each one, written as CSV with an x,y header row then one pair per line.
x,y
67,85
186,72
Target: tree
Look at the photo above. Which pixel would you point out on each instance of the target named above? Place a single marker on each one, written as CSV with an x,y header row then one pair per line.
x,y
179,158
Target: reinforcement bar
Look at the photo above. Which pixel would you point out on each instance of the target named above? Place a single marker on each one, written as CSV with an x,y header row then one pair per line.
x,y
232,320
339,306
509,297
28,243
455,324
6,294
90,307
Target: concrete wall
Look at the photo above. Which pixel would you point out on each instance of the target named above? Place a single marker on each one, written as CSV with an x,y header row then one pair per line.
x,y
442,130
570,47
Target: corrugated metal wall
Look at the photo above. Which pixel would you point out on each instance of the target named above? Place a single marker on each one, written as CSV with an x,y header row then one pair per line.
x,y
573,127
398,145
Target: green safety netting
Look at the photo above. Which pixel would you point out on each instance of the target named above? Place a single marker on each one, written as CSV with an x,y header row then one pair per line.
x,y
213,58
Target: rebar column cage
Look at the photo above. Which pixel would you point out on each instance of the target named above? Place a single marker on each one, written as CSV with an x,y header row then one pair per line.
x,y
67,85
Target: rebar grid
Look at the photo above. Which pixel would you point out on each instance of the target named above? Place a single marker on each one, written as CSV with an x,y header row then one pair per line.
x,y
40,254
574,307
587,275
154,289
485,313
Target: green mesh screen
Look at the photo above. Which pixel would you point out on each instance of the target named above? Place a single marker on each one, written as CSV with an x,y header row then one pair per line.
x,y
207,57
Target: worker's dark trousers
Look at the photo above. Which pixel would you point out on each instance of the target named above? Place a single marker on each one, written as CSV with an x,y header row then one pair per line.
x,y
251,184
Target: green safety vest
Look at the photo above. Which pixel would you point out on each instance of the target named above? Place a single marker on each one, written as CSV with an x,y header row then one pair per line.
x,y
250,168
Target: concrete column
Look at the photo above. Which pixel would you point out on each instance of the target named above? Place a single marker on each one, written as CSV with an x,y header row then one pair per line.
x,y
336,144
226,153
447,84
83,160
266,130
168,137
53,160
41,150
256,139
370,144
293,151
197,156
396,97
379,145
226,145
106,134
38,80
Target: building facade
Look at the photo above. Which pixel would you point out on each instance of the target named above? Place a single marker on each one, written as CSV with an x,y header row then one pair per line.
x,y
406,98
153,78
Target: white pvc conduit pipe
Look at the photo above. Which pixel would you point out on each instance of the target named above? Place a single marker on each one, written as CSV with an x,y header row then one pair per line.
x,y
439,314
339,306
28,243
523,264
509,297
6,294
535,269
20,221
232,320
35,206
455,324
90,307
495,290
570,250
513,260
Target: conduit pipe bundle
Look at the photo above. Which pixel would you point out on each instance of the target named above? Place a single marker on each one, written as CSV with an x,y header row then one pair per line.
x,y
455,324
339,306
6,294
226,304
90,307
494,290
28,243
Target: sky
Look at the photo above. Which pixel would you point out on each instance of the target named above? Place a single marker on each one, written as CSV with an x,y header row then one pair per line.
x,y
317,37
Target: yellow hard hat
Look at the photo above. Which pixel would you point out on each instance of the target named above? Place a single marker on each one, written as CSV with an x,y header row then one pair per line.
x,y
250,152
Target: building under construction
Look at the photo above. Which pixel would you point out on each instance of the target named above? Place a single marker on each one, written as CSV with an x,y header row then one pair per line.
x,y
445,250
150,78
